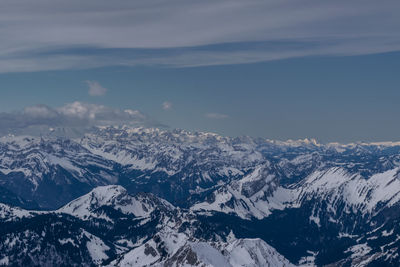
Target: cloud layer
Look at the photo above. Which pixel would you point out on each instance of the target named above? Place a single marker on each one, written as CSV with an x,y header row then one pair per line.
x,y
52,35
76,116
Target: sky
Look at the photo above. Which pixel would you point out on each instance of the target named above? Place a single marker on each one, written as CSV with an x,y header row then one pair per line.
x,y
276,69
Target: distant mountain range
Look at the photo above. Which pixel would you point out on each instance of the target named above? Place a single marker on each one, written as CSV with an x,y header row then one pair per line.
x,y
138,196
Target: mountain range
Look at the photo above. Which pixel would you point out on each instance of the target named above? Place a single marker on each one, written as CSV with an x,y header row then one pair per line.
x,y
121,196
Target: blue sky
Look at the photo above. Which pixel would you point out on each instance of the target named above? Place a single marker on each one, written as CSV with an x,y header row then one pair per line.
x,y
288,70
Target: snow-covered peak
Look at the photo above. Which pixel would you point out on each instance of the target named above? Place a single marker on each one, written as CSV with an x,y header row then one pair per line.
x,y
253,253
371,195
170,248
8,213
113,196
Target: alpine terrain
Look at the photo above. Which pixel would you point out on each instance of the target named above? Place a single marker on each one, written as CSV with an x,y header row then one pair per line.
x,y
123,196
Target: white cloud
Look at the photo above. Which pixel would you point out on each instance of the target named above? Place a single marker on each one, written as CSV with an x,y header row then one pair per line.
x,y
77,115
95,89
48,35
217,116
166,105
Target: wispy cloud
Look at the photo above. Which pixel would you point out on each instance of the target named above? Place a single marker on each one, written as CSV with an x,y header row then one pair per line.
x,y
166,105
77,115
95,89
217,116
47,35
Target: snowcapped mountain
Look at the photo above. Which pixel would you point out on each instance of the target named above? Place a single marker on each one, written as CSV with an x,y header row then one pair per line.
x,y
245,201
110,227
177,162
179,166
255,195
50,172
334,204
259,193
185,251
116,197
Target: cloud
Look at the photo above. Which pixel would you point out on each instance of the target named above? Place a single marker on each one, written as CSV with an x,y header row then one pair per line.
x,y
76,116
95,89
166,105
40,112
217,116
48,35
